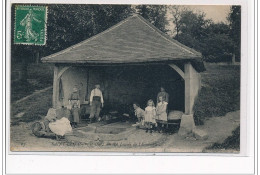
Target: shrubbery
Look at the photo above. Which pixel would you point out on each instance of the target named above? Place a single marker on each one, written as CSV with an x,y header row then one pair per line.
x,y
232,142
220,92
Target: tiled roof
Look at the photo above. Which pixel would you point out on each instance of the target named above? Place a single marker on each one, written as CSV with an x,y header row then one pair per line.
x,y
133,40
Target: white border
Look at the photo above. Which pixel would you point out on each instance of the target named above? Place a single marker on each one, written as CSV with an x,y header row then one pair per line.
x,y
152,164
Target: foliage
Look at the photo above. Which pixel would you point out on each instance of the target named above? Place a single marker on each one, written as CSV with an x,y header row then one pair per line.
x,y
218,45
194,24
40,76
176,12
155,14
234,19
232,142
70,24
213,40
220,92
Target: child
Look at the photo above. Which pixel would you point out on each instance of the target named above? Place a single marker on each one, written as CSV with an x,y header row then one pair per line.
x,y
139,113
161,113
149,116
75,105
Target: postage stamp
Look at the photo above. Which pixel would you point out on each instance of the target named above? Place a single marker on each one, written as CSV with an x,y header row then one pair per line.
x,y
30,25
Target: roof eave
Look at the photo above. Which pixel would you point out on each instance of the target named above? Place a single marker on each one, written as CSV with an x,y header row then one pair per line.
x,y
45,60
196,62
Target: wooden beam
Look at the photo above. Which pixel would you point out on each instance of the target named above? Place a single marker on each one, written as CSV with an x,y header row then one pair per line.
x,y
177,69
55,88
192,87
62,71
188,88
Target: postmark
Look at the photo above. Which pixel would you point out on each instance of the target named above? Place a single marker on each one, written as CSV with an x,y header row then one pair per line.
x,y
30,25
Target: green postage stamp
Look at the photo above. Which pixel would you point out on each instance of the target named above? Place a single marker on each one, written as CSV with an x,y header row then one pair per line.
x,y
30,25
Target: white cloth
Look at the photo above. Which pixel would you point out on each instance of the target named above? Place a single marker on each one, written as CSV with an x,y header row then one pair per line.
x,y
139,113
150,114
60,127
161,110
96,92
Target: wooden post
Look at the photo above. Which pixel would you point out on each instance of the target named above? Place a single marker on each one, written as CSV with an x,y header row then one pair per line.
x,y
187,77
55,87
192,87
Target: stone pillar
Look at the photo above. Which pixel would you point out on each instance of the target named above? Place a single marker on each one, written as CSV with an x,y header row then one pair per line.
x,y
55,87
187,125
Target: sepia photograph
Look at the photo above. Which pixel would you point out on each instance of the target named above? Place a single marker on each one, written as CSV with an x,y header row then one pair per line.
x,y
125,78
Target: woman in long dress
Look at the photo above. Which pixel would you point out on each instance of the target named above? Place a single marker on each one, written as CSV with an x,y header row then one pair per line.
x,y
75,106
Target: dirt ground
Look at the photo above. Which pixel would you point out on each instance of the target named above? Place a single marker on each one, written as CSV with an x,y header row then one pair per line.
x,y
218,128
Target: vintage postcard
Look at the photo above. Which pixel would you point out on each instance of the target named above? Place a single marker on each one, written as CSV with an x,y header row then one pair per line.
x,y
125,78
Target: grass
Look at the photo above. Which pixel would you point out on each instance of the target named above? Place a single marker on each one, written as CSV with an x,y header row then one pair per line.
x,y
34,108
232,142
40,76
220,92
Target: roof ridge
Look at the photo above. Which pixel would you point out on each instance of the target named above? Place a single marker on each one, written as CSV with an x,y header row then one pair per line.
x,y
91,38
173,41
134,15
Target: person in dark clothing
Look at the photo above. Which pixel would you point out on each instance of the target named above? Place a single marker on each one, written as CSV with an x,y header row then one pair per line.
x,y
164,95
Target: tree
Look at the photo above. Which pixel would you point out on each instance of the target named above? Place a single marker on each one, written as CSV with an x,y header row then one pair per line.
x,y
234,19
155,14
193,28
80,22
211,39
218,44
70,24
67,25
176,14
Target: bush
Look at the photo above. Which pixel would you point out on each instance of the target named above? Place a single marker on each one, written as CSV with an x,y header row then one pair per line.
x,y
220,92
232,142
218,48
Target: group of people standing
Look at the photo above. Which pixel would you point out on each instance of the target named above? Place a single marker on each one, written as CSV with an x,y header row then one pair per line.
x,y
153,117
96,101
